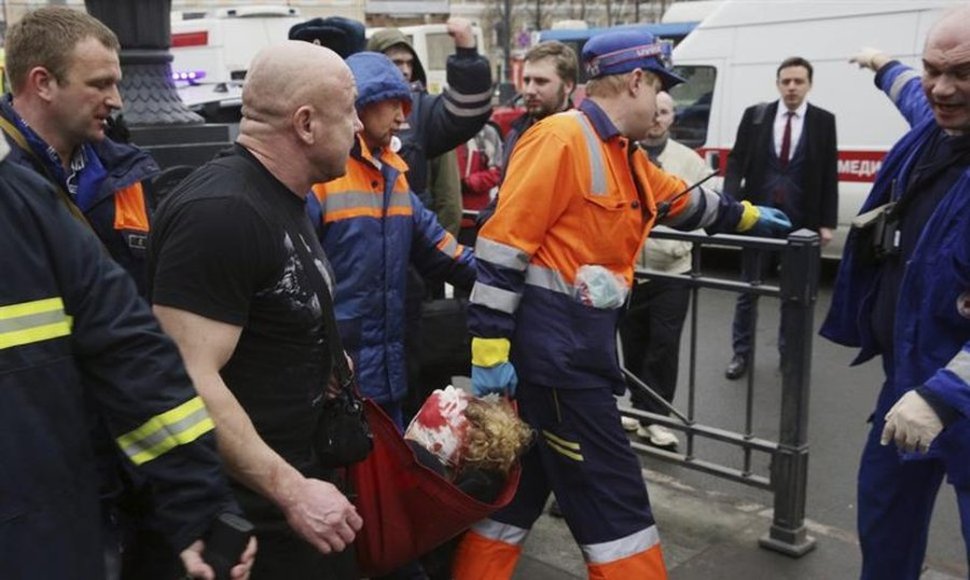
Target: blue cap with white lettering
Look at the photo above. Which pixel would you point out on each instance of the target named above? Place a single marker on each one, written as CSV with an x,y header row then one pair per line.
x,y
620,51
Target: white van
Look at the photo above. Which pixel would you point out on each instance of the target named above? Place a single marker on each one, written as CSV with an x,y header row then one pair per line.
x,y
433,46
730,62
211,50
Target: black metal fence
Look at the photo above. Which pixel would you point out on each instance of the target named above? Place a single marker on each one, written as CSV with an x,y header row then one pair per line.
x,y
788,469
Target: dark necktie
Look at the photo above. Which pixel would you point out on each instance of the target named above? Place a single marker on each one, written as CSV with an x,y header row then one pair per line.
x,y
786,141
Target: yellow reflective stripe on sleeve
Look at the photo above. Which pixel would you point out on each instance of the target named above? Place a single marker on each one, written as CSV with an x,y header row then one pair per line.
x,y
162,433
34,321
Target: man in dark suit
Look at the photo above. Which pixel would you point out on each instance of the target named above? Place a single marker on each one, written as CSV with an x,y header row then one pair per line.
x,y
785,156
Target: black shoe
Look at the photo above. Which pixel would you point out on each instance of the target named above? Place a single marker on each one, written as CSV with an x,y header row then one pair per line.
x,y
736,368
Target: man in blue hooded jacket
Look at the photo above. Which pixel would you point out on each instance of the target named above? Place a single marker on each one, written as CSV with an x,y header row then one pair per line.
x,y
437,124
373,226
903,292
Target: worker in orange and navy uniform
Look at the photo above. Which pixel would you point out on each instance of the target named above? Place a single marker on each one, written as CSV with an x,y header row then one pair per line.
x,y
373,226
74,334
64,71
555,264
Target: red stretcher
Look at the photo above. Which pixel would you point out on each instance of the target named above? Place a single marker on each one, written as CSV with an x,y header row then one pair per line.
x,y
407,508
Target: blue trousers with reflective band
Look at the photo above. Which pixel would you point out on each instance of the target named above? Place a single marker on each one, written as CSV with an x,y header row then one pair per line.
x,y
583,456
896,500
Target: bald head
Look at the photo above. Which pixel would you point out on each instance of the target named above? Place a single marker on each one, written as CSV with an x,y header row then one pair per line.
x,y
283,77
946,70
664,119
955,22
298,112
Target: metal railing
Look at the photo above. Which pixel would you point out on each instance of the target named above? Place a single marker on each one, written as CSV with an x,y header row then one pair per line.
x,y
788,472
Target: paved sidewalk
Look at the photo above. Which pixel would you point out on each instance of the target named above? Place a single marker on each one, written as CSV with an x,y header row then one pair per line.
x,y
707,536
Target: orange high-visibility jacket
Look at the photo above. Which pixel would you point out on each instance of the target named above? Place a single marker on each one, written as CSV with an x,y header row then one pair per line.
x,y
576,193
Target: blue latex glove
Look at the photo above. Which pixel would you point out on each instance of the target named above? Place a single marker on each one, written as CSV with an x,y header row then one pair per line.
x,y
491,370
500,379
763,221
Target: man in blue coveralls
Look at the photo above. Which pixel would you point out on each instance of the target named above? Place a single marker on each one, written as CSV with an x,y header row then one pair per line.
x,y
903,292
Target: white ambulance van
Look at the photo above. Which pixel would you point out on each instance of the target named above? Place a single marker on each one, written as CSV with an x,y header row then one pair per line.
x,y
211,50
730,62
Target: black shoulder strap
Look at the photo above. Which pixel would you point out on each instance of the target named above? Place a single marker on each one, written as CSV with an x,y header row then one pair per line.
x,y
321,288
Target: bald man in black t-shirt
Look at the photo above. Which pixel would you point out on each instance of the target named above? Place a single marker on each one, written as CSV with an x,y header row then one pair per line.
x,y
232,286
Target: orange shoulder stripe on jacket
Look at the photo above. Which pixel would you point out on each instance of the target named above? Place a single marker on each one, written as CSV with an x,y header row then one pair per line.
x,y
130,210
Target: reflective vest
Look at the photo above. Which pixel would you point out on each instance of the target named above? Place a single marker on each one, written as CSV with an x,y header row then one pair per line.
x,y
572,198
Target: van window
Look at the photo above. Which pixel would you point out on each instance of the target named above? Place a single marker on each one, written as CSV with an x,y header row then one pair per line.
x,y
692,101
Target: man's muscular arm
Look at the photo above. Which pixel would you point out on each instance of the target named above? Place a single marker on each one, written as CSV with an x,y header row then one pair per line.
x,y
315,509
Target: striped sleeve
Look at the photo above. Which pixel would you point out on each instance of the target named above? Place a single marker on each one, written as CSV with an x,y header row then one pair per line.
x,y
436,253
530,200
951,384
701,207
903,87
457,114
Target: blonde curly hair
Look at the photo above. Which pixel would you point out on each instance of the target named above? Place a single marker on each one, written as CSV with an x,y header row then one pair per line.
x,y
496,437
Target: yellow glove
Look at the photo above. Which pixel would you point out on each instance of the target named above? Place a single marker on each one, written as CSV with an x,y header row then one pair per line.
x,y
488,352
491,370
764,221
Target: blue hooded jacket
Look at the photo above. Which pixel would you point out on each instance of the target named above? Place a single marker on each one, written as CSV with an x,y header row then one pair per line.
x,y
371,227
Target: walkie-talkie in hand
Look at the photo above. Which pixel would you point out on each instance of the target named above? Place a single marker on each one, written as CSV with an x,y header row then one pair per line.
x,y
225,543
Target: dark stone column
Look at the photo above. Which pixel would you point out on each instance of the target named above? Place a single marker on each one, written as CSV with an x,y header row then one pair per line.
x,y
159,120
144,29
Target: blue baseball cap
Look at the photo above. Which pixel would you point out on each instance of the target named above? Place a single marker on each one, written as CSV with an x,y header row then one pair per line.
x,y
620,51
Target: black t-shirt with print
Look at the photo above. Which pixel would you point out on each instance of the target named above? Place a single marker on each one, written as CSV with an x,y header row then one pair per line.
x,y
222,247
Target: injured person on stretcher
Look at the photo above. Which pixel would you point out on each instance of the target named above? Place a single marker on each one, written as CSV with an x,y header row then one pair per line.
x,y
472,442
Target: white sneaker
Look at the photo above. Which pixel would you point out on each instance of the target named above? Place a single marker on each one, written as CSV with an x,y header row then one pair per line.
x,y
658,436
629,423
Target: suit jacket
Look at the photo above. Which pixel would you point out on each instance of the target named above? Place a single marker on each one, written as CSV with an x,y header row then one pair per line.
x,y
748,163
